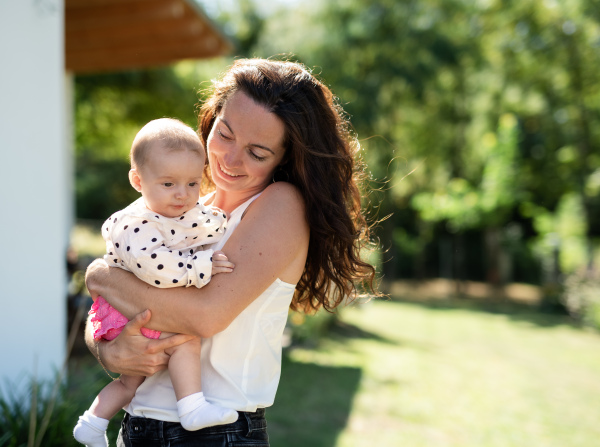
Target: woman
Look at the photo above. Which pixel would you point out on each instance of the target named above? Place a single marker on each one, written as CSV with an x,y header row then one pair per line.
x,y
281,158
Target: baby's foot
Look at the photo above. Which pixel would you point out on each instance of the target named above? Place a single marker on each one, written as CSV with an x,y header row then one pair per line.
x,y
195,412
91,430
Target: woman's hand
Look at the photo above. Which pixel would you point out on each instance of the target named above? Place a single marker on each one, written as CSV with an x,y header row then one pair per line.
x,y
133,354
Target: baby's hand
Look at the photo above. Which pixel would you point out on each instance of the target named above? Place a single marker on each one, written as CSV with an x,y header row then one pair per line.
x,y
220,263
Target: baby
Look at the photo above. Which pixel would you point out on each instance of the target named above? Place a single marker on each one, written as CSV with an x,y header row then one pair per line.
x,y
159,238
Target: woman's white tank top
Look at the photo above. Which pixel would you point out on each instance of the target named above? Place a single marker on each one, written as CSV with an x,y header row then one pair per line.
x,y
241,365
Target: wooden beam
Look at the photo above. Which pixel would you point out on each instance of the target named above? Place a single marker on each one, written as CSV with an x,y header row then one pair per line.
x,y
121,14
165,53
136,34
104,35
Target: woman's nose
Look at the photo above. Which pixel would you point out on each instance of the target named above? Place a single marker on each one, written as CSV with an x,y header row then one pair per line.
x,y
232,157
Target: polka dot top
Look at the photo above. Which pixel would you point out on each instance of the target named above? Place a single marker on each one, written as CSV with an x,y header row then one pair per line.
x,y
164,251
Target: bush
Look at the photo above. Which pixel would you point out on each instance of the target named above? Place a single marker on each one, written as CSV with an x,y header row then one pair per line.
x,y
581,297
20,427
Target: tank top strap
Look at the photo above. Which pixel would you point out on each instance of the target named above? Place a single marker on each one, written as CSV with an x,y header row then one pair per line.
x,y
233,221
236,215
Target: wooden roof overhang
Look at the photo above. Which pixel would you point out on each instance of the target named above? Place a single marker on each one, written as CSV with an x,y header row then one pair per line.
x,y
115,35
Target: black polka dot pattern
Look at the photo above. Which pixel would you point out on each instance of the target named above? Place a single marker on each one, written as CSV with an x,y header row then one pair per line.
x,y
165,252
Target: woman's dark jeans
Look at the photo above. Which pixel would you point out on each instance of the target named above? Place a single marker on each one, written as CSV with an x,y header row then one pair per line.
x,y
249,430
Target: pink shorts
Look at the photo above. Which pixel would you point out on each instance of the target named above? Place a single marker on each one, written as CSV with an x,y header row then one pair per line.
x,y
108,322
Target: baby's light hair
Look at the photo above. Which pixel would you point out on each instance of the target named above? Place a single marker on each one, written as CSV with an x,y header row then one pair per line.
x,y
167,133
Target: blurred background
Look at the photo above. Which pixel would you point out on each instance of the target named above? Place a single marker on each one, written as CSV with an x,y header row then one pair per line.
x,y
479,121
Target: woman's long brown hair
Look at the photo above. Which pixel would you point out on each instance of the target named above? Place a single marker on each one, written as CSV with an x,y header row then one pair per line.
x,y
321,161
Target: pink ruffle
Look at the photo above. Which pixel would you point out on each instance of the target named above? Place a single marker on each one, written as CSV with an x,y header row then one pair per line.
x,y
108,322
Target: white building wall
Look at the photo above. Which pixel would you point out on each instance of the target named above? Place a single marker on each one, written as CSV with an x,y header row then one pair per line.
x,y
34,197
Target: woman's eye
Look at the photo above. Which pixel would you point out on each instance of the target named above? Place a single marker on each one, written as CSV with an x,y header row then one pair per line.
x,y
256,157
223,135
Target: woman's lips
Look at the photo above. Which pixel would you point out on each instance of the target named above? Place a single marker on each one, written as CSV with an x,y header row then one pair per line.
x,y
228,175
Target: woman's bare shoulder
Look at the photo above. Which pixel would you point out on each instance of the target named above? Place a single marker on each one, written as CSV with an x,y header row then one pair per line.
x,y
276,217
280,198
283,191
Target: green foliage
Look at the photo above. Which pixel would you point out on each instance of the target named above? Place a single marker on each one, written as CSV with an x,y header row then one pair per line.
x,y
243,24
74,396
562,231
102,187
466,206
581,297
16,418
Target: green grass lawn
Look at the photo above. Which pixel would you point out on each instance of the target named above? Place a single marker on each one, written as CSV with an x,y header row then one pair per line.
x,y
461,373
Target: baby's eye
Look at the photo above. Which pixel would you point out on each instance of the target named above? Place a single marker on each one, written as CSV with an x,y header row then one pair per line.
x,y
168,184
192,184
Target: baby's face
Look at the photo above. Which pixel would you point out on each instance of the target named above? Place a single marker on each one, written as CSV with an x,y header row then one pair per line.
x,y
170,180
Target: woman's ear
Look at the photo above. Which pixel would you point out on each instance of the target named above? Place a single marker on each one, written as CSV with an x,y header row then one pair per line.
x,y
135,180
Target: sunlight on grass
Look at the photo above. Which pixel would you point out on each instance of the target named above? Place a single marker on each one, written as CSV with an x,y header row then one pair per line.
x,y
437,376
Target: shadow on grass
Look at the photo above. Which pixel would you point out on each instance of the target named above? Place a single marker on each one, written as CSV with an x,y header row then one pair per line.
x,y
342,330
313,404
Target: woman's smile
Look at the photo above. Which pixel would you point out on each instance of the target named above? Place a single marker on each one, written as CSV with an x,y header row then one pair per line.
x,y
227,172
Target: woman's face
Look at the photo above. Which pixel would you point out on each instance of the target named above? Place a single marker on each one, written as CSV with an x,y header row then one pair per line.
x,y
245,146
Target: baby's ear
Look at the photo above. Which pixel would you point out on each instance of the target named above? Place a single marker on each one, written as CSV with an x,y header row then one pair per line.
x,y
135,180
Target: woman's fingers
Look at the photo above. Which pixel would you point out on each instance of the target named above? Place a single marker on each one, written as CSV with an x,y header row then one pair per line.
x,y
138,322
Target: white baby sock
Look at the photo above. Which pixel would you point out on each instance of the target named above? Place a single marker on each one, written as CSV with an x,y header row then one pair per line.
x,y
195,412
91,430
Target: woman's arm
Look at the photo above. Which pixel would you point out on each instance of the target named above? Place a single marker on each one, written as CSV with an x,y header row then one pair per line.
x,y
270,242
